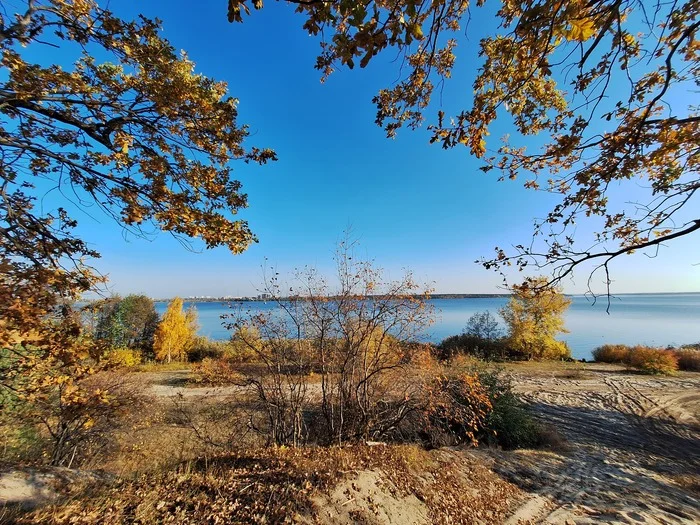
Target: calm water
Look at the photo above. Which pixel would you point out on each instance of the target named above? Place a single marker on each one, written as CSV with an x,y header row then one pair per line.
x,y
652,319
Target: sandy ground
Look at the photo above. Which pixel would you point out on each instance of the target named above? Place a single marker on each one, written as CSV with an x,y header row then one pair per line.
x,y
633,453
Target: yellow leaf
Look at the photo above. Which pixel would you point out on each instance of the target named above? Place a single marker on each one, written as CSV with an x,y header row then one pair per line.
x,y
581,29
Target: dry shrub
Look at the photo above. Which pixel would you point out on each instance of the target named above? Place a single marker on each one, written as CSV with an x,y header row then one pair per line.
x,y
456,409
212,371
688,359
355,337
611,354
549,437
653,360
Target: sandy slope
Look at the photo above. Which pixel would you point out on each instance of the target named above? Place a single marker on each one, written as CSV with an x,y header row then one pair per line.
x,y
634,449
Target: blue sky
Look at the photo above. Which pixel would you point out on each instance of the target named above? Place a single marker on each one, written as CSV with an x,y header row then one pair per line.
x,y
410,204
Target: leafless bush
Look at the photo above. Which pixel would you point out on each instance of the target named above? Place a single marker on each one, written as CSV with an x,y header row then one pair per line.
x,y
354,336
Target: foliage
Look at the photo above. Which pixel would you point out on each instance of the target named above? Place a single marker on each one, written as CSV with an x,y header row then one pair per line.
x,y
611,354
176,333
647,359
483,325
245,345
140,136
534,316
124,322
70,416
482,337
122,358
354,337
509,423
605,85
488,349
213,371
457,407
653,360
203,347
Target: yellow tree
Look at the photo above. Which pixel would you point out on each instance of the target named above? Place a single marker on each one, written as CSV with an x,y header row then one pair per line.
x,y
535,316
176,332
607,86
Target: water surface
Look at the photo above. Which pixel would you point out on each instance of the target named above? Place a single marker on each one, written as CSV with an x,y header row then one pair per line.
x,y
650,319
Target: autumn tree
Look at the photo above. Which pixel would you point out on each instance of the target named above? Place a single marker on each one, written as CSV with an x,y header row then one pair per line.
x,y
535,316
136,133
176,332
599,98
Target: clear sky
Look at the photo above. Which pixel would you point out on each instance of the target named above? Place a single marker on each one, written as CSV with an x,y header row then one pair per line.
x,y
410,204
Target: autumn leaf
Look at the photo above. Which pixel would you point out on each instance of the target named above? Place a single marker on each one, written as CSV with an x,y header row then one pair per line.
x,y
581,29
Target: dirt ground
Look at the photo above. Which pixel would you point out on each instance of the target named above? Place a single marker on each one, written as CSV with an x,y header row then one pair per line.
x,y
631,452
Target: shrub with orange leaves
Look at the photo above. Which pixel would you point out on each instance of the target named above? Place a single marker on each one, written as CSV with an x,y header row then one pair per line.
x,y
456,409
644,358
212,371
653,360
611,354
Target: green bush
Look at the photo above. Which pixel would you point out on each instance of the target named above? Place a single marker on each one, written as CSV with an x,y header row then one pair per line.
x,y
510,424
467,344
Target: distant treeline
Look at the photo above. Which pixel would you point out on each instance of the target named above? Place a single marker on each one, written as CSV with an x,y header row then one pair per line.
x,y
246,299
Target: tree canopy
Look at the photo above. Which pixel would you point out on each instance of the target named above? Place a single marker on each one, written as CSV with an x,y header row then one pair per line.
x,y
106,112
129,321
598,94
139,134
